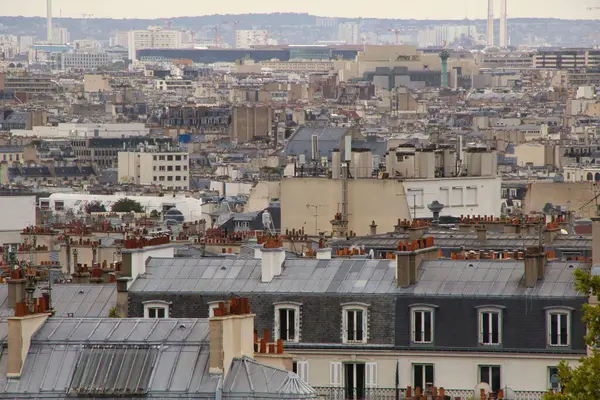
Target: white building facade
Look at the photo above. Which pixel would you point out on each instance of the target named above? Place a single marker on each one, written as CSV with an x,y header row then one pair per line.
x,y
154,37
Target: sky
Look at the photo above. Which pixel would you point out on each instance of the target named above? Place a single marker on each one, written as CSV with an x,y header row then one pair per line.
x,y
403,9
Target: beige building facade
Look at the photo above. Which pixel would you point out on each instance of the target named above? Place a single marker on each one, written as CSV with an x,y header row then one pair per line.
x,y
169,169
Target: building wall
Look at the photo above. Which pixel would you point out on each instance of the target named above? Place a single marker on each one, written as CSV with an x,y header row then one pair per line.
x,y
452,370
18,212
250,122
369,200
574,196
460,196
531,153
152,168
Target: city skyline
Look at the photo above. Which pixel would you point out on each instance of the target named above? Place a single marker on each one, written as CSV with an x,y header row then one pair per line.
x,y
427,9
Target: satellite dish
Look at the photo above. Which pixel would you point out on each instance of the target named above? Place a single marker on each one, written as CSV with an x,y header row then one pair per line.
x,y
477,391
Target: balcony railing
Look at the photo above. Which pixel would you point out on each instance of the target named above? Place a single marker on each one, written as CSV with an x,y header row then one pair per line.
x,y
341,393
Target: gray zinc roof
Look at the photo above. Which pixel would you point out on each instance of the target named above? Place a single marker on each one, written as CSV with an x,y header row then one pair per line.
x,y
90,301
329,138
111,357
354,276
247,378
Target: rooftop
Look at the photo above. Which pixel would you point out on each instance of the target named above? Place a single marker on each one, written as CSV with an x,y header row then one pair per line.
x,y
479,278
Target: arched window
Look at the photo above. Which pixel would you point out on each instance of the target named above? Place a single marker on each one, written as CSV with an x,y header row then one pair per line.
x,y
589,176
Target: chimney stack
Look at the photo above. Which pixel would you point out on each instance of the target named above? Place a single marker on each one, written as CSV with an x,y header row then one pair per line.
x,y
324,254
49,32
20,331
16,287
373,227
231,334
410,257
490,24
503,25
531,270
481,234
272,258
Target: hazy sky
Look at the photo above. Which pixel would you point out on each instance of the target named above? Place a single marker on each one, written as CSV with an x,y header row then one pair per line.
x,y
421,9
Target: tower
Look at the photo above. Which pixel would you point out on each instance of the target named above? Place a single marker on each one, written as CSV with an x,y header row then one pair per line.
x,y
444,56
49,33
490,23
503,24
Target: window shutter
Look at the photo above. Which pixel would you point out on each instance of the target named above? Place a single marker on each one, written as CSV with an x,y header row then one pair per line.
x,y
276,334
297,326
371,378
335,374
303,370
344,326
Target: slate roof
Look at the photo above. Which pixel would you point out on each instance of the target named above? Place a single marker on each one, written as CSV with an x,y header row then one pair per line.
x,y
153,358
90,301
474,278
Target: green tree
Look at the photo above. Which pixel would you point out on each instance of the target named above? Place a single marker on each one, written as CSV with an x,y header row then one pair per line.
x,y
94,207
583,381
127,205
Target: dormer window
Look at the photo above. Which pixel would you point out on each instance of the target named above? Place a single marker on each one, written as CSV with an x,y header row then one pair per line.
x,y
287,322
156,309
490,325
422,323
355,323
558,325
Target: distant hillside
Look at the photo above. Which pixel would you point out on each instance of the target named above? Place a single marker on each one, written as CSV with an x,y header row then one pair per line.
x,y
301,28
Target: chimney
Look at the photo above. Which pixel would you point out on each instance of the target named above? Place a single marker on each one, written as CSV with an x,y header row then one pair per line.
x,y
531,270
16,288
490,24
373,227
272,258
137,251
122,297
231,335
410,257
551,231
481,234
324,254
416,232
20,331
596,240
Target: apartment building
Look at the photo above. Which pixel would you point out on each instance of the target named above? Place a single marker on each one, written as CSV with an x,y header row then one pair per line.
x,y
155,37
349,32
103,152
29,84
87,61
155,166
249,122
364,327
245,39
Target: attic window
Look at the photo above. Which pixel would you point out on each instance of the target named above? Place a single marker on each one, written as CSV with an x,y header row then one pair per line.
x,y
156,309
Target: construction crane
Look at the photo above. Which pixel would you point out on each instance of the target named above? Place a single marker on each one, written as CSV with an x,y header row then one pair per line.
x,y
395,32
193,37
217,38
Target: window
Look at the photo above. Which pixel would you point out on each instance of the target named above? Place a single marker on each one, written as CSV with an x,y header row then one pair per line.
x,y
422,323
177,158
178,168
490,325
161,178
490,374
553,381
301,369
156,309
287,322
558,320
169,158
161,168
170,168
422,376
354,323
161,158
169,178
177,178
